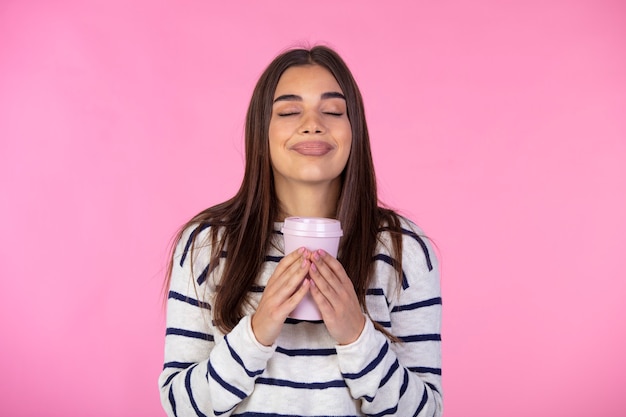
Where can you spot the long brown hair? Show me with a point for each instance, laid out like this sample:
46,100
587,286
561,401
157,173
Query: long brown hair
246,221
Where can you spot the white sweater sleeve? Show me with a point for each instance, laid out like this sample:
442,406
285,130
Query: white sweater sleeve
204,374
402,379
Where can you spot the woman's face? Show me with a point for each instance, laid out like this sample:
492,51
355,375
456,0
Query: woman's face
309,132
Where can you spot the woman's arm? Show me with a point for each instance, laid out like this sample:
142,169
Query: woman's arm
401,379
204,374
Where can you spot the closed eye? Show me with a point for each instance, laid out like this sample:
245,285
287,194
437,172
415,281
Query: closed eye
330,113
285,114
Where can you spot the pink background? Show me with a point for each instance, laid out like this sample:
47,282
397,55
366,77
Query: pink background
499,126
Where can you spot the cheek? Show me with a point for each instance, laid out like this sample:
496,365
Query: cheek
275,148
278,132
273,135
273,153
271,132
347,138
346,148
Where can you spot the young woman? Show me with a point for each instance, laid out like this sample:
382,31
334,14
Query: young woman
230,347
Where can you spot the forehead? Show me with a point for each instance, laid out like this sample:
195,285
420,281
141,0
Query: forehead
311,79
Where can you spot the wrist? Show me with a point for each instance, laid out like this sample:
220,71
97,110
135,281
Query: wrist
254,327
356,336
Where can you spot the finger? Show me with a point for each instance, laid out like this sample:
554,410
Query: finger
334,284
290,264
280,298
297,296
289,259
321,266
333,264
320,299
284,303
321,276
287,280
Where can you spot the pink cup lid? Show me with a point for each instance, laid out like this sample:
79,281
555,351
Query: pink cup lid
316,226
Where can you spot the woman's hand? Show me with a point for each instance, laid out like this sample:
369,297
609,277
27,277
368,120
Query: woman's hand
284,290
334,294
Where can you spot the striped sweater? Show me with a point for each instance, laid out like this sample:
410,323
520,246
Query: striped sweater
208,373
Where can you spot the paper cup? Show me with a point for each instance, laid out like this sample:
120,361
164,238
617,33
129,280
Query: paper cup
312,233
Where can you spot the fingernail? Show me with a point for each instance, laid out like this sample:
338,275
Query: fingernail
301,250
313,268
321,252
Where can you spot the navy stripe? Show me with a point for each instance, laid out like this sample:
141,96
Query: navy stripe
389,411
374,291
178,296
238,359
188,387
301,385
191,238
257,414
230,388
219,413
405,383
269,258
373,364
177,365
172,402
386,324
203,274
422,244
390,261
377,292
392,370
432,387
424,370
421,338
289,320
393,410
188,333
169,379
257,288
420,304
422,403
306,352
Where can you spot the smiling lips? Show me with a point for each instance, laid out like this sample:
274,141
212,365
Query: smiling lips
312,148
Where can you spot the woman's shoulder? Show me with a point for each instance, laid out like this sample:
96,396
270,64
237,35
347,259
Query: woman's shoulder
412,230
416,244
397,223
196,237
194,232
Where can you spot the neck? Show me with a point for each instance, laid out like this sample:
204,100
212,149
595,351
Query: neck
311,200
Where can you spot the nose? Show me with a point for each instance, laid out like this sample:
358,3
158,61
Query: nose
312,125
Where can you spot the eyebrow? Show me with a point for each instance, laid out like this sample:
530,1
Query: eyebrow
294,97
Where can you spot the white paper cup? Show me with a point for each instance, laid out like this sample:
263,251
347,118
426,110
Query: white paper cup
312,233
